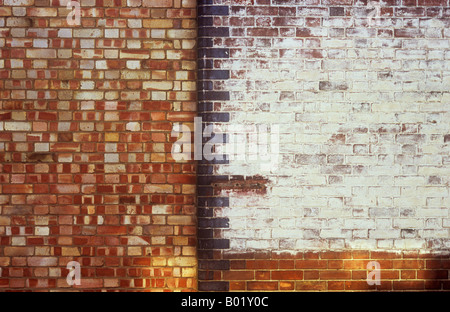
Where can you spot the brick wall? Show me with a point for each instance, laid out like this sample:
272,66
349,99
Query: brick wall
86,172
332,115
358,93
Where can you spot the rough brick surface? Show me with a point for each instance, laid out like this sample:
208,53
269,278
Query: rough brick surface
354,95
338,271
86,172
360,94
363,159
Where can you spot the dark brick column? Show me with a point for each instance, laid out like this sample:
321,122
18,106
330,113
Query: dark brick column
210,243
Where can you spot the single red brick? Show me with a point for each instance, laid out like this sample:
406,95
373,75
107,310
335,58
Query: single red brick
335,275
408,274
411,254
311,274
262,275
100,272
264,255
408,264
359,275
181,178
311,264
262,264
262,32
17,283
238,275
410,12
308,255
4,282
17,188
433,264
311,285
355,264
432,274
358,285
408,33
335,285
90,283
287,275
262,285
336,255
42,261
384,255
336,264
445,263
287,285
360,254
286,264
237,264
432,2
433,285
237,286
389,274
408,285
114,230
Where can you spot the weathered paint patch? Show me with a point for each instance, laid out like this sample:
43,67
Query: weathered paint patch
239,185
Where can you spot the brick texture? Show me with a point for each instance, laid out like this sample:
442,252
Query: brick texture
359,92
336,271
86,172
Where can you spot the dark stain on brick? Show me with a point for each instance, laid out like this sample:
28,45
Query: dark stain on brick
337,11
312,53
240,184
362,107
213,286
306,159
408,233
127,200
434,180
386,129
332,86
40,157
65,137
385,75
212,10
5,116
17,210
446,138
337,138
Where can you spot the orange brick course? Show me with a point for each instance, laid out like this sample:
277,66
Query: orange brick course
339,271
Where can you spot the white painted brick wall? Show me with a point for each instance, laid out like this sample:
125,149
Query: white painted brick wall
363,163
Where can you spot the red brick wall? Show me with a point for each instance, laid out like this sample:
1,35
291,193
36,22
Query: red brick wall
86,174
336,271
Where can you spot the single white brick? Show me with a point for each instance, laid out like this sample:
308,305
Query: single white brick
112,33
114,158
42,230
42,147
409,243
17,126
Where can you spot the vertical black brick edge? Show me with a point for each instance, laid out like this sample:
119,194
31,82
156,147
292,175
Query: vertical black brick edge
210,245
